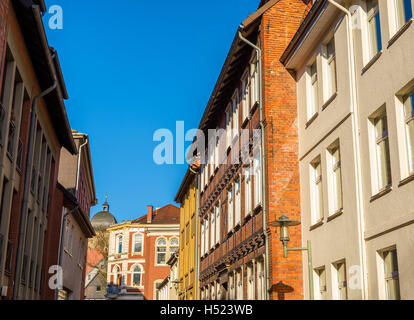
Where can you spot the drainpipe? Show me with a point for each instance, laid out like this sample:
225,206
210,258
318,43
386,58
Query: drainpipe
262,155
357,153
62,224
79,163
26,187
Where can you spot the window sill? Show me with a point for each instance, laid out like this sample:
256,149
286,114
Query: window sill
316,225
311,120
329,101
400,32
336,215
406,180
381,193
371,62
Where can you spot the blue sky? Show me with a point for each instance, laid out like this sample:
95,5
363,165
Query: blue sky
132,67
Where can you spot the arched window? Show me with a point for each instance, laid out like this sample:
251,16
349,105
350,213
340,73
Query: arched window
161,251
138,243
174,246
137,276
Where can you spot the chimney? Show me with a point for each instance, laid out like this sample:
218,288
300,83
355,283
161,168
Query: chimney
150,211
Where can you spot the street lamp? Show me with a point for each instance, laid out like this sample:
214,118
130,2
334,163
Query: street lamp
284,223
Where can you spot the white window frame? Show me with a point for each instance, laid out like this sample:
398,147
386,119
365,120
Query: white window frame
335,178
213,230
330,74
373,19
248,190
313,101
408,106
135,241
238,204
218,222
230,209
316,179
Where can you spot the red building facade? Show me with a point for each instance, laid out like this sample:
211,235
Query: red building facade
139,251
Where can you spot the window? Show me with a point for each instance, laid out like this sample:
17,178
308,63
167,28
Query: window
230,210
161,251
341,281
229,125
257,170
261,288
254,82
392,282
248,190
137,276
336,178
231,287
403,12
236,108
250,282
331,64
239,280
218,222
174,246
213,229
202,239
314,96
409,123
138,243
382,151
207,234
245,95
374,28
321,283
117,276
238,202
120,239
316,191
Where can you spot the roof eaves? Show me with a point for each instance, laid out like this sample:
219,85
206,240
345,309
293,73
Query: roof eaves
303,29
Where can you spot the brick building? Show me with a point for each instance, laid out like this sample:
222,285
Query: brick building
251,175
76,189
139,251
33,129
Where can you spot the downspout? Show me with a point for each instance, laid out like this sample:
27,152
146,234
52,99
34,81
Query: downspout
263,157
355,136
79,163
61,241
27,177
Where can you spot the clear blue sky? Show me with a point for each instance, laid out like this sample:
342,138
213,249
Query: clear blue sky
132,67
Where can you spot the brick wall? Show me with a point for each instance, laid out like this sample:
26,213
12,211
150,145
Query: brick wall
279,24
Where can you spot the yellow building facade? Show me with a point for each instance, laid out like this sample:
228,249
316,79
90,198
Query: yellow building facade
188,272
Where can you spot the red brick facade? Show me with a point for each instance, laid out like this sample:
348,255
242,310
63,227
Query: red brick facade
278,26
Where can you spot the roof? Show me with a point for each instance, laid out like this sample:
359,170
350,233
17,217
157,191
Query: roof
169,214
46,67
94,257
103,220
188,178
232,68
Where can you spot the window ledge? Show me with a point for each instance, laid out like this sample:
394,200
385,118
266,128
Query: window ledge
371,62
336,215
329,101
406,180
311,120
400,32
316,225
381,194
